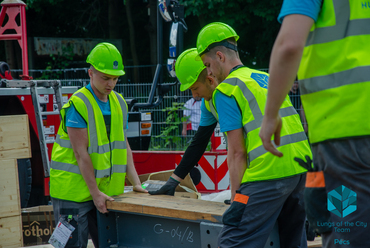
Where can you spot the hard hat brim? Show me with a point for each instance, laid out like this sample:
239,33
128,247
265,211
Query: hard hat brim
113,72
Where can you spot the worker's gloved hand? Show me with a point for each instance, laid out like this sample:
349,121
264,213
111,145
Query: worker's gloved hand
167,189
315,198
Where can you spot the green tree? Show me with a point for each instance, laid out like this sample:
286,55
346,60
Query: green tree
255,21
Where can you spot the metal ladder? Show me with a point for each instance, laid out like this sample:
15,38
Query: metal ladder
33,85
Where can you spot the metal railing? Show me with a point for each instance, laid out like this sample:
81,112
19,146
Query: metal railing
139,91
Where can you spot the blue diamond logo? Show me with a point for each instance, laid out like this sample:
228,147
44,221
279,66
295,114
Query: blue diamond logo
342,201
115,64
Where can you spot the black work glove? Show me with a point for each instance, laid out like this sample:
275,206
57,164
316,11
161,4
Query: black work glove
167,189
315,198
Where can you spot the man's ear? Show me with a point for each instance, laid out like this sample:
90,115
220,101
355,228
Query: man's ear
90,72
220,56
211,80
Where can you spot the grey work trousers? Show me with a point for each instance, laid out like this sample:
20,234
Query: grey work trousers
281,201
84,216
347,163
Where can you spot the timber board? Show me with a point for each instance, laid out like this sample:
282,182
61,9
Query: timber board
168,206
14,137
9,188
11,232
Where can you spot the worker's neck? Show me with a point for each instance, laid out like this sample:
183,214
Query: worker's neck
233,63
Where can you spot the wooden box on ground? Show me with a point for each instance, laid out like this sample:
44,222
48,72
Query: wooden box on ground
10,231
14,137
9,188
10,213
14,144
37,224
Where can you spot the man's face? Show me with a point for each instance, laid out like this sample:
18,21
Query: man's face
214,67
102,83
202,90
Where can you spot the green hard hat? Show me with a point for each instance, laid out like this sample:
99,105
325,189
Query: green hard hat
106,58
215,34
188,68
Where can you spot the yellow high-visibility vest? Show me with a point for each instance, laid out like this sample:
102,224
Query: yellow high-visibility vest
108,154
249,88
334,73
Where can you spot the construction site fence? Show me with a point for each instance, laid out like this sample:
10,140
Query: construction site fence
136,84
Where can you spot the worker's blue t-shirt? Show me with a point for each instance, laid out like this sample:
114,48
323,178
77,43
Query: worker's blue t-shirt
230,117
232,120
74,119
310,8
206,117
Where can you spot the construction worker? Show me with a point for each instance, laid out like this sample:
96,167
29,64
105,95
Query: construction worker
265,189
327,43
91,156
191,72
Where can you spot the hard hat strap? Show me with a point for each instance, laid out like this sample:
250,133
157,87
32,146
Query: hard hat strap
224,43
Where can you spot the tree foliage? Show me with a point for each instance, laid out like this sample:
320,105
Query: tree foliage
255,21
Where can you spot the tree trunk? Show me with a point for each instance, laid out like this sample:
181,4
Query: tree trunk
132,39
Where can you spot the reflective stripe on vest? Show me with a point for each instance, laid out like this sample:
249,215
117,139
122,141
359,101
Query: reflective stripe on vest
262,165
258,117
98,173
334,72
109,159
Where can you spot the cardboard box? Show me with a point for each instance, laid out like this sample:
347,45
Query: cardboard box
156,180
37,225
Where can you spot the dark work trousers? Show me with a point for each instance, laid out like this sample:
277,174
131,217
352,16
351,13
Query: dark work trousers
84,216
347,163
250,224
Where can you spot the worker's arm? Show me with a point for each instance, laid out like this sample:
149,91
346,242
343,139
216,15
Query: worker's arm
131,171
191,157
79,140
236,159
284,63
184,125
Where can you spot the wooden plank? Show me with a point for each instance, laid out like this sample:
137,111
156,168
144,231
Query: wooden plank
14,137
9,188
317,243
168,206
11,232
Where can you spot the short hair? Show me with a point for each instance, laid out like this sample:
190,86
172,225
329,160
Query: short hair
93,69
227,51
202,76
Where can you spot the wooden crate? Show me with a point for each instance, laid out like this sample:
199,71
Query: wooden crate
14,137
9,188
11,232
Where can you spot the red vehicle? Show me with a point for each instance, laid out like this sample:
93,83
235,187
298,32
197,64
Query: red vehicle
211,174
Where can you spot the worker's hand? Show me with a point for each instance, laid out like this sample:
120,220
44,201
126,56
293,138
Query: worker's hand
99,200
269,127
167,189
138,188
